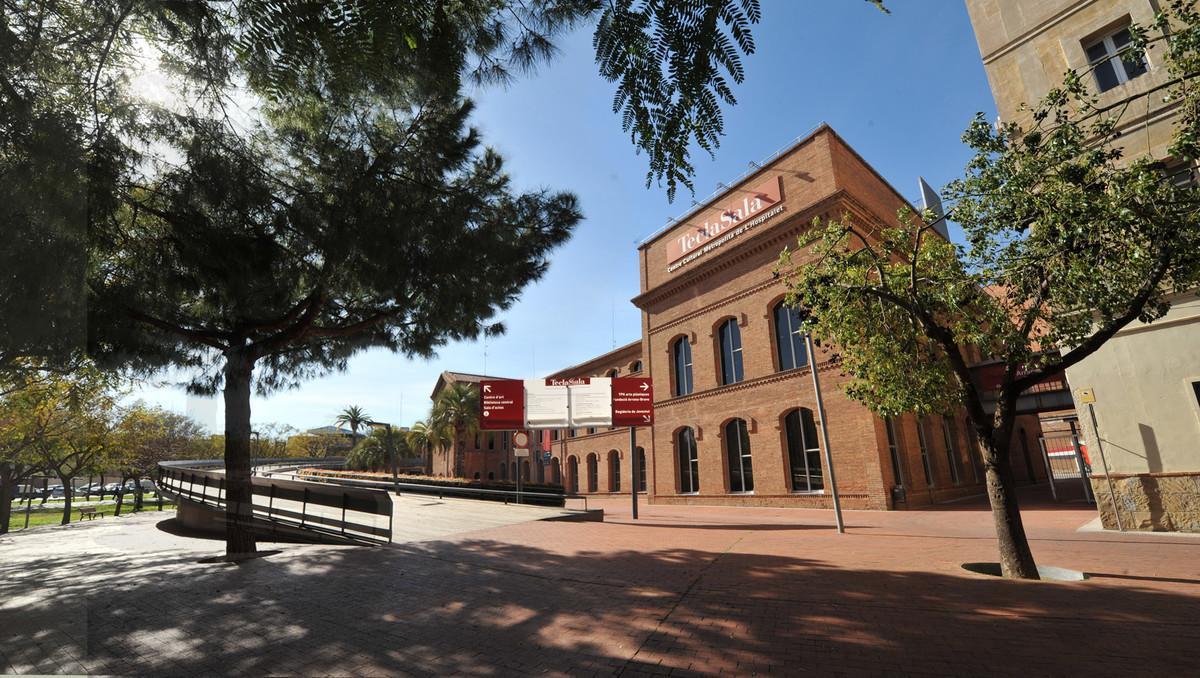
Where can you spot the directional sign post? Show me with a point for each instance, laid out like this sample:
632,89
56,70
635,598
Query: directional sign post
632,401
502,404
632,406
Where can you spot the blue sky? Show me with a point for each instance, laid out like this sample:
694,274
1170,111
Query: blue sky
900,88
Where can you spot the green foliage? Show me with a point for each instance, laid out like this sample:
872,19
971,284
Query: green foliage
144,436
354,417
1067,242
370,454
456,408
429,435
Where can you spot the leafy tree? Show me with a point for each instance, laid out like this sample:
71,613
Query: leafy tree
354,417
457,408
374,452
269,252
428,435
1067,243
73,418
145,436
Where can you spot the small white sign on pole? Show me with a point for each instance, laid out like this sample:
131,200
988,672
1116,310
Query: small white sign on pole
520,453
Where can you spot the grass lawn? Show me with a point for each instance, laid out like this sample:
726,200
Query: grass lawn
54,516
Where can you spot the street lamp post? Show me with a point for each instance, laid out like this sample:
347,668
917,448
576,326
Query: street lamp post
254,450
812,366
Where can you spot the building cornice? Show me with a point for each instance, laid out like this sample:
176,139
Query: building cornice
826,366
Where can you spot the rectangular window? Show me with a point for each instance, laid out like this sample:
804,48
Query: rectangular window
925,461
893,450
504,440
1111,63
491,438
1180,173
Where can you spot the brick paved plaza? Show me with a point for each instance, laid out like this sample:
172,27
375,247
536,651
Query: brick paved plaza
684,590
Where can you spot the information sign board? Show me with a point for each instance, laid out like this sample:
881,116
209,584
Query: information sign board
546,404
632,401
591,402
502,404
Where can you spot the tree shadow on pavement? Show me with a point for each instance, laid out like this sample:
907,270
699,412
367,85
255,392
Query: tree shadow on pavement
489,607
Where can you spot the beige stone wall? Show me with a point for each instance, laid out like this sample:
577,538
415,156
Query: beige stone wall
1027,46
1148,415
1160,502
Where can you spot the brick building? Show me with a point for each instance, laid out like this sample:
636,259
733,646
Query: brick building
735,410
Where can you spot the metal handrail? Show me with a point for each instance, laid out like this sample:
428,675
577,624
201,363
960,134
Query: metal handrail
441,490
179,478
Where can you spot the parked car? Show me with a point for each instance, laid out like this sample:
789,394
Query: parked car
112,487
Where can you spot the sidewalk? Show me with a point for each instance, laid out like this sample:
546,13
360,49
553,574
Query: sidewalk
685,589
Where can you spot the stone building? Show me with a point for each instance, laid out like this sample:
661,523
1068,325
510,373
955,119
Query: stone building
1146,380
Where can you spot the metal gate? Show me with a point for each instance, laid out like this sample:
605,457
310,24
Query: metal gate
1067,461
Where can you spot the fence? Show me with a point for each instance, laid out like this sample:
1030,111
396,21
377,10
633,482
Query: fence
1066,461
353,514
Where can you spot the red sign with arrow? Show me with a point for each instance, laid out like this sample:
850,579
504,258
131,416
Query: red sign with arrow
632,401
502,402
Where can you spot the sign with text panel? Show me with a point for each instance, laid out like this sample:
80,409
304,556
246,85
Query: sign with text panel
502,404
591,402
632,401
546,404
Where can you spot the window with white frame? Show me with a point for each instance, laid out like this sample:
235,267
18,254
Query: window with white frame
1111,61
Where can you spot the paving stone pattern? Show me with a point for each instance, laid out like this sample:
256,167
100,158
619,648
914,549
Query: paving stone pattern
685,590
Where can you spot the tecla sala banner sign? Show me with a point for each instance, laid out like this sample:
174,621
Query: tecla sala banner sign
721,224
579,402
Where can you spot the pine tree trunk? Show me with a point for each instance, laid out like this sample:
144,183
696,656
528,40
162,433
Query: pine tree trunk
8,492
239,515
1016,558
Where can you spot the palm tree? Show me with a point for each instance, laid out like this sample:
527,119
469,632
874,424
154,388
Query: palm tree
457,407
427,436
354,417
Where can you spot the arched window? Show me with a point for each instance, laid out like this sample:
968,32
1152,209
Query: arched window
641,462
681,359
490,476
573,475
926,461
503,472
804,451
541,470
612,374
614,471
951,451
556,471
636,366
593,472
737,454
525,471
689,461
789,339
514,471
893,450
729,339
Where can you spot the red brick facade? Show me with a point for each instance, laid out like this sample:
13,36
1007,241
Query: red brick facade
706,282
